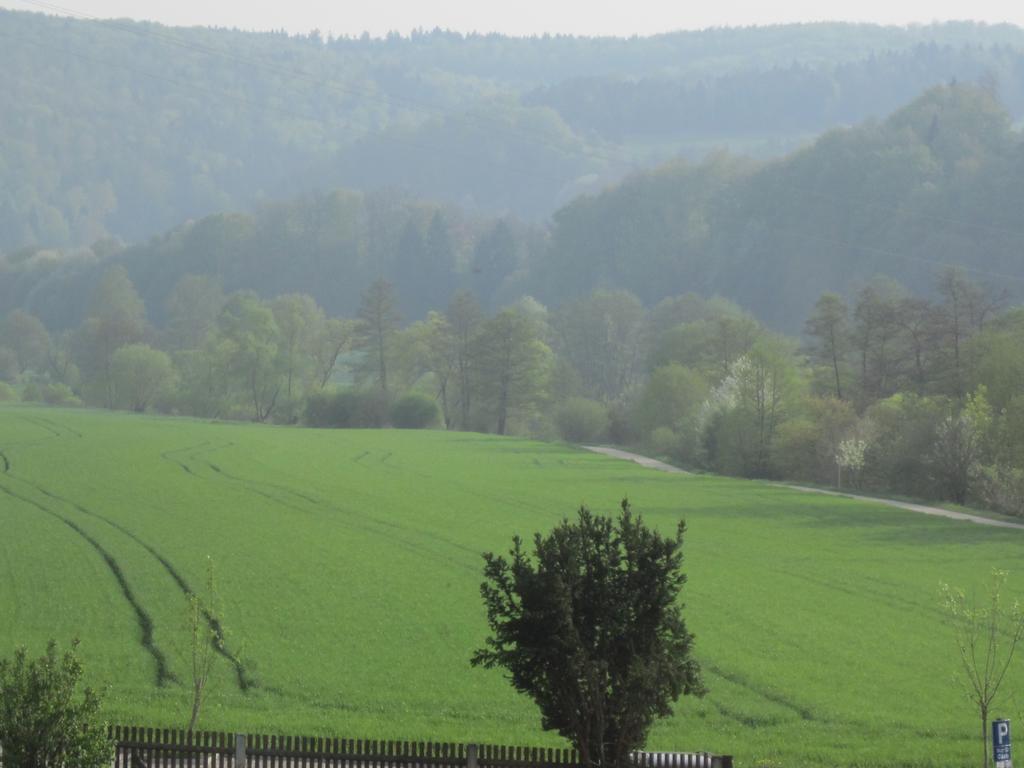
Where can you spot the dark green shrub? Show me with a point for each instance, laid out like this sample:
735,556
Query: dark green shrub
8,365
414,411
1001,487
591,628
621,425
580,420
43,723
41,391
346,409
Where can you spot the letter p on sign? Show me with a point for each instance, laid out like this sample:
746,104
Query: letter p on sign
1001,743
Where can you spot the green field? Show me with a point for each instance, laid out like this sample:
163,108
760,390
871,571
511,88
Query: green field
350,564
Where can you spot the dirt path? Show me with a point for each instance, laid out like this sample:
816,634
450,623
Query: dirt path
922,508
643,461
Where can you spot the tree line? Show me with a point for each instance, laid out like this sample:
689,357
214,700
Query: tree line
886,390
283,360
330,246
936,183
786,102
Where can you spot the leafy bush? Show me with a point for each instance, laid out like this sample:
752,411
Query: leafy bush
796,456
905,434
50,393
8,365
414,411
581,420
672,396
621,427
346,409
1001,487
41,723
664,442
7,392
141,375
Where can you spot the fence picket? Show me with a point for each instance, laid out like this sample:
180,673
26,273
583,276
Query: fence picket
136,746
172,739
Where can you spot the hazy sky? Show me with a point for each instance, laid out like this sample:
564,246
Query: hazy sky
621,17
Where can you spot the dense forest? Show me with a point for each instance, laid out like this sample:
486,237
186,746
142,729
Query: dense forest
121,130
939,182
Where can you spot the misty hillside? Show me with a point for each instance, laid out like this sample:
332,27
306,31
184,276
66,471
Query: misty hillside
330,246
123,129
938,182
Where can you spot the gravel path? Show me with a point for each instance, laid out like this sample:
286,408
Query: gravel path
643,461
922,508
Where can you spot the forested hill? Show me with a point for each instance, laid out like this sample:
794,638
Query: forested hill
126,129
939,182
330,246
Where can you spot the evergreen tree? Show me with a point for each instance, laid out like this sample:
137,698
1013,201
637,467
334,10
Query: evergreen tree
592,630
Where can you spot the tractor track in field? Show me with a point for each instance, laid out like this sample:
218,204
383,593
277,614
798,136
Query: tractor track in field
53,434
878,597
55,425
775,698
166,456
243,676
194,456
750,721
371,525
142,617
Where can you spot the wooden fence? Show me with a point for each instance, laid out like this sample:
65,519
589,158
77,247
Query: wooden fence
156,748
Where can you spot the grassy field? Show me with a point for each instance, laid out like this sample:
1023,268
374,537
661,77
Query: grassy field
350,564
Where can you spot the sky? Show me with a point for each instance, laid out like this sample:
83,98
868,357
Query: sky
524,17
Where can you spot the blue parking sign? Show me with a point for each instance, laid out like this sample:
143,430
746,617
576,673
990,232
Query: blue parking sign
1001,743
